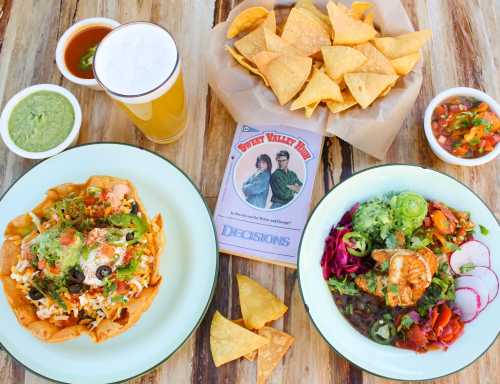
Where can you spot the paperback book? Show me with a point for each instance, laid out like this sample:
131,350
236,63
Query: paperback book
265,196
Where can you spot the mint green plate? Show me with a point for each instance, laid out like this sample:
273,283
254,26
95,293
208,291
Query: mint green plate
189,266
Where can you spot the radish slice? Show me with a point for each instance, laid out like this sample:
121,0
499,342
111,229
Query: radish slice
489,278
469,302
477,285
472,252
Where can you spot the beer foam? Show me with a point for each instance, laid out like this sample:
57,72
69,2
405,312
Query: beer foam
135,59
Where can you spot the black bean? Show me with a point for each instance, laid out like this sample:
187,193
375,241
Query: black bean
103,271
75,288
35,294
129,236
134,208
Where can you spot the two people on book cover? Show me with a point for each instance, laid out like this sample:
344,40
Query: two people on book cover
283,182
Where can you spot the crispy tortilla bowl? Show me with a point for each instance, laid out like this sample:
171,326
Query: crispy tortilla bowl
25,229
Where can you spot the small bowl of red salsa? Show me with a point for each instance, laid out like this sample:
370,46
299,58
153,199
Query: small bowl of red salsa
462,126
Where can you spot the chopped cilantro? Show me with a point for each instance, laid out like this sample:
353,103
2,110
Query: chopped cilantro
343,287
405,322
484,230
465,268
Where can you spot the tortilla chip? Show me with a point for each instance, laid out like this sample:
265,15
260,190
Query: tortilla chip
249,356
271,354
320,87
405,64
309,109
229,341
309,5
274,43
366,87
340,60
376,62
404,45
258,305
369,19
348,30
248,19
336,107
245,64
305,31
358,9
386,91
254,42
287,74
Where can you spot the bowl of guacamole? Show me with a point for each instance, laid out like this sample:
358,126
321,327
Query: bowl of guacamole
40,121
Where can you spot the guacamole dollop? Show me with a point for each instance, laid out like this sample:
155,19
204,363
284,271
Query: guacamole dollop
41,121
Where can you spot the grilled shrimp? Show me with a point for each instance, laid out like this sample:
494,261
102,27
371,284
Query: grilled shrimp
409,275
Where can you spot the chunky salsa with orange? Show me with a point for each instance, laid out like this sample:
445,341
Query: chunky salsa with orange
81,48
466,127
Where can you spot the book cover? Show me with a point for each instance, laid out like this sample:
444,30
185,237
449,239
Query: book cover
265,196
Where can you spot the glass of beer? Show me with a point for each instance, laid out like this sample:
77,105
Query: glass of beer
138,65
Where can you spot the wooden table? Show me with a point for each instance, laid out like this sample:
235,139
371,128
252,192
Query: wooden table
465,50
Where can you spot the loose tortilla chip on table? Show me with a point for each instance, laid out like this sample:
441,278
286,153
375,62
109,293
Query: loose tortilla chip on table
340,60
255,41
358,9
275,43
403,45
376,62
248,19
305,31
249,356
404,65
346,29
366,87
229,341
336,107
258,305
245,64
287,74
320,87
271,354
309,5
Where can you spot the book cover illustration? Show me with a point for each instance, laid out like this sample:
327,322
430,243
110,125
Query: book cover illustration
265,196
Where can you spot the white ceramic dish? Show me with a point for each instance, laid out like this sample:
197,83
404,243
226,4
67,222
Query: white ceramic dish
67,36
189,266
388,361
70,140
439,151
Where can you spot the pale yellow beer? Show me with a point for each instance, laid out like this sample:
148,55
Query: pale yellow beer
138,65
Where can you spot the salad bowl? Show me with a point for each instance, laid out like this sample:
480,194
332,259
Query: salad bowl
387,360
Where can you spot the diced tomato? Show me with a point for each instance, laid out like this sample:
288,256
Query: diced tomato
434,316
99,213
89,200
128,256
42,264
67,237
107,250
416,335
443,319
121,287
54,269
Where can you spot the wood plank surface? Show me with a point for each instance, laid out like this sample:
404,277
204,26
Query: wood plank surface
465,50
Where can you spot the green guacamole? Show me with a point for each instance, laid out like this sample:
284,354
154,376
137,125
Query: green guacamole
41,121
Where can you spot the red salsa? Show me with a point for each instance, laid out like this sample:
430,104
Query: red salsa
79,53
466,127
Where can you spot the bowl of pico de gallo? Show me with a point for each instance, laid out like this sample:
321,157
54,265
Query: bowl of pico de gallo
462,126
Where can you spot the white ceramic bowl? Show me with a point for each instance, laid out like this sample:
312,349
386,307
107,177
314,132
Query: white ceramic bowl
67,36
439,151
70,140
388,361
